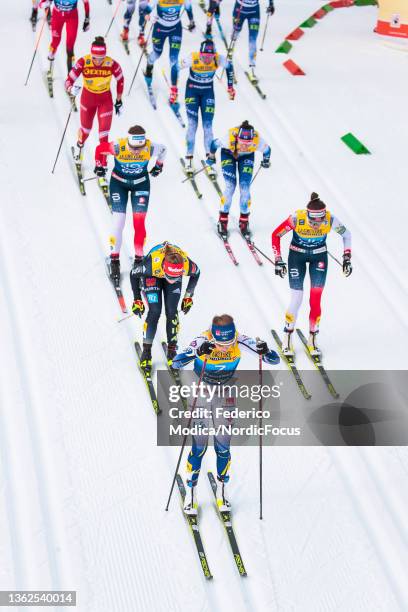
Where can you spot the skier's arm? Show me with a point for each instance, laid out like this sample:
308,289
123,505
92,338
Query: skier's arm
159,151
264,148
219,142
224,62
181,360
189,9
250,345
75,72
102,150
282,229
120,81
194,274
86,8
339,228
141,270
186,62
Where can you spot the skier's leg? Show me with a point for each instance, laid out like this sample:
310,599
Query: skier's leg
88,110
207,117
318,274
229,172
153,290
174,52
57,23
72,31
172,295
140,204
105,115
253,32
192,104
119,197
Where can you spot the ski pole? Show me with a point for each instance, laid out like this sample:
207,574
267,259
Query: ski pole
264,254
335,259
126,317
91,178
37,44
264,34
185,437
260,440
140,59
194,174
62,139
256,174
113,18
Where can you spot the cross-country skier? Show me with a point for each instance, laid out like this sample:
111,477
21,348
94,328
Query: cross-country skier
221,345
143,17
159,275
130,175
248,10
213,9
97,70
65,12
199,95
310,227
238,152
168,25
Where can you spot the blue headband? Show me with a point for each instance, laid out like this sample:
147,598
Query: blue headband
223,334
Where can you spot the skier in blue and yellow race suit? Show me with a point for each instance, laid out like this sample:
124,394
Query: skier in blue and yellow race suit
168,25
238,153
159,275
248,10
220,347
199,95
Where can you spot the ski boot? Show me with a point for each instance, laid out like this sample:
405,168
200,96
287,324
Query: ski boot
222,226
190,502
189,165
114,269
125,34
78,152
243,226
252,76
138,260
34,18
146,359
210,170
171,353
222,501
148,74
173,94
70,60
312,347
141,41
50,70
287,346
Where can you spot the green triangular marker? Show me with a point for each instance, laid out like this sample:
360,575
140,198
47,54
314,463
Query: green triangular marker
285,47
327,8
365,2
355,144
309,23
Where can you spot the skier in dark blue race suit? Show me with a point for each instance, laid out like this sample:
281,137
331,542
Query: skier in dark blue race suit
168,25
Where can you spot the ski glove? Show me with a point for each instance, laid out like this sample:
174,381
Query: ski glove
85,27
186,304
74,90
138,308
280,267
261,347
206,348
191,26
347,267
265,163
210,159
270,9
100,171
231,92
157,168
118,107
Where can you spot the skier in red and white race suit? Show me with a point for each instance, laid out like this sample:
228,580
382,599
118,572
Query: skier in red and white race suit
65,12
97,70
310,227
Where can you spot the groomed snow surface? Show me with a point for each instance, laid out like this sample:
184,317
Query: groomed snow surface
82,484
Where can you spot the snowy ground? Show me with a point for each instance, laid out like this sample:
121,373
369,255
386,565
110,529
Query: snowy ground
83,485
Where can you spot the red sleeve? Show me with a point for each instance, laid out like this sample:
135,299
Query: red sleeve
282,229
75,73
102,150
86,7
118,74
